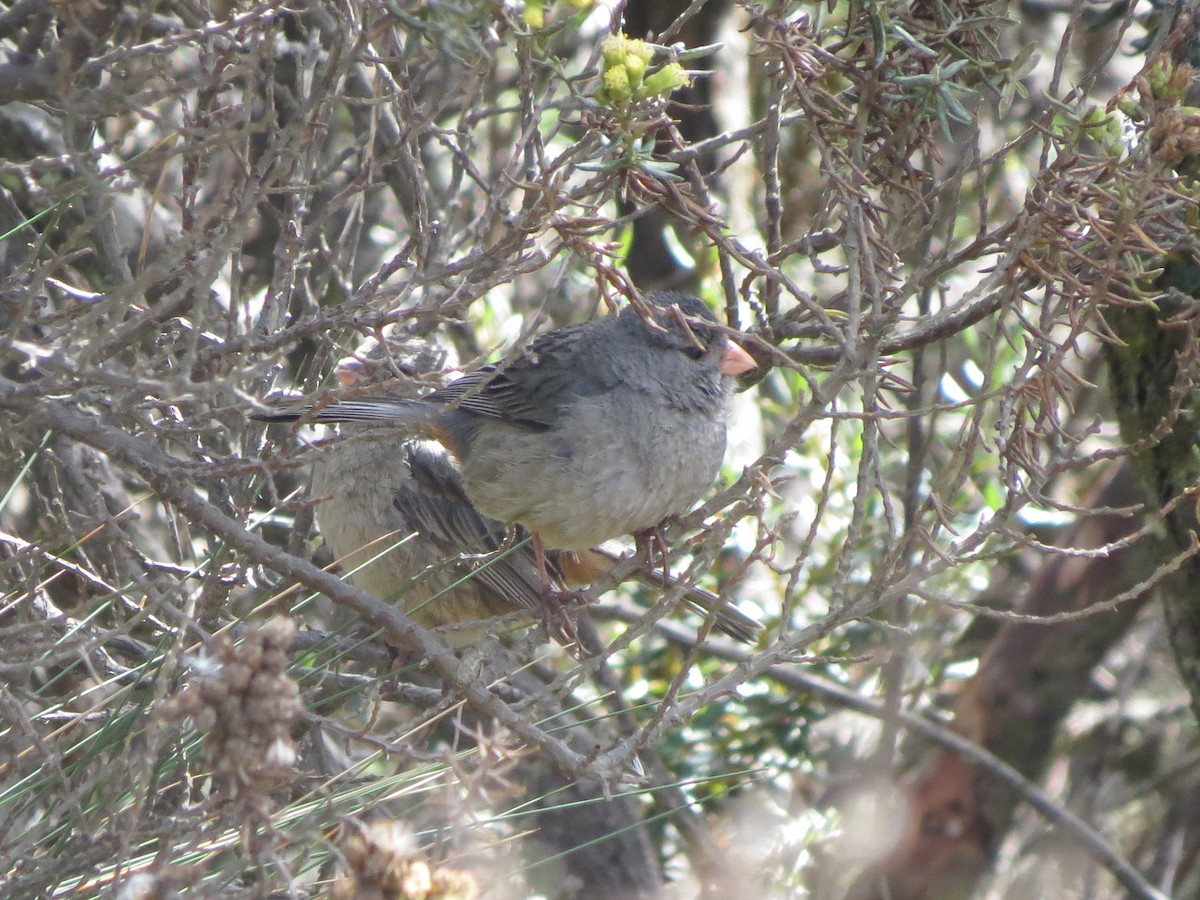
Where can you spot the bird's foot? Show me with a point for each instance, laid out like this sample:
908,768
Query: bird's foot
559,613
651,544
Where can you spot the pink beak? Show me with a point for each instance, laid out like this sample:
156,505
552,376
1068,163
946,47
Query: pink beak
735,361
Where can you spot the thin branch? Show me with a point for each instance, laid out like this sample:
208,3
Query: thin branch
159,471
1051,810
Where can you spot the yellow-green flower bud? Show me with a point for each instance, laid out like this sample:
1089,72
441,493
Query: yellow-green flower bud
667,79
641,50
616,84
636,67
1095,117
1159,75
1130,108
535,13
613,49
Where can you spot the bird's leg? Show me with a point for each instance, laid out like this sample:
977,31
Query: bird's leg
539,553
652,542
558,616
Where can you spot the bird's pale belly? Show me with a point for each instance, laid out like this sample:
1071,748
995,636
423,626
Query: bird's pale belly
578,500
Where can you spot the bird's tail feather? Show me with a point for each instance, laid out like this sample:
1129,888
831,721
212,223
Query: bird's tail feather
365,409
729,619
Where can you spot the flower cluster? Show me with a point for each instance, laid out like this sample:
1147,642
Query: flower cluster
625,78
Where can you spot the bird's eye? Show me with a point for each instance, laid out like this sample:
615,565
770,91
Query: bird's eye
693,351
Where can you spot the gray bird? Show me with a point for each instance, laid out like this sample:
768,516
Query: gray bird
593,431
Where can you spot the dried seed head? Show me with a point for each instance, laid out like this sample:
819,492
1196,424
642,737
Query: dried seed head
246,704
383,861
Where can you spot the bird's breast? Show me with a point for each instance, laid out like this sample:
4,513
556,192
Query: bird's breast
609,469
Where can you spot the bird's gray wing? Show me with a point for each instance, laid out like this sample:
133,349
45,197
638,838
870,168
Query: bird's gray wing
436,506
534,387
